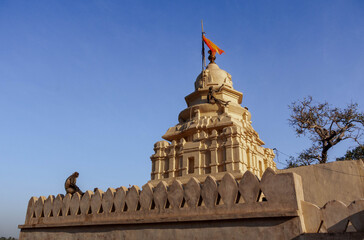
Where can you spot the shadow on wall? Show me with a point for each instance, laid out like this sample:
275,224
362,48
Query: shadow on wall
341,180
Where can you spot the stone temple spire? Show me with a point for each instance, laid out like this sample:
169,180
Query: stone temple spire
214,135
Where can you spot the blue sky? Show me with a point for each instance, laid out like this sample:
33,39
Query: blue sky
92,85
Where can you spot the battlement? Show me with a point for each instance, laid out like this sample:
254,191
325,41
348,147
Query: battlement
174,202
334,217
272,206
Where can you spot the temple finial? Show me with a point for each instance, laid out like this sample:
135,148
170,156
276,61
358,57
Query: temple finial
212,56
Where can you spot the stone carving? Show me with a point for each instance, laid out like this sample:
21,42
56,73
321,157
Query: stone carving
70,184
214,135
209,151
212,99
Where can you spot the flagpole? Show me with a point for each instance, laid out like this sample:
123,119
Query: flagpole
203,49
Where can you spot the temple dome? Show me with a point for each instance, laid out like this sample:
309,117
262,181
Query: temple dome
213,76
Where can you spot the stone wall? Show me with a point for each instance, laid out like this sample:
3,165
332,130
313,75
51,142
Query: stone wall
262,229
271,208
226,208
341,180
334,217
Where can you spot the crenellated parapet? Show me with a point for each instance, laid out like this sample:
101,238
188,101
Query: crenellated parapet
276,200
246,198
334,217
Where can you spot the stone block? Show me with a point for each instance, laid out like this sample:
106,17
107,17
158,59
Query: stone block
356,214
228,190
209,192
30,209
85,203
120,199
48,205
96,201
132,198
66,204
57,205
108,200
268,173
281,188
192,192
75,204
335,216
38,208
160,195
175,194
312,217
249,187
146,196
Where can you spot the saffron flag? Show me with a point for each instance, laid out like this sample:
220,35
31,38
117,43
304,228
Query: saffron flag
212,46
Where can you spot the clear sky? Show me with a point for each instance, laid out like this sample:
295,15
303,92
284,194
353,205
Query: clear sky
90,86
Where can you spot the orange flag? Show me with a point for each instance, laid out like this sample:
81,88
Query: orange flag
212,46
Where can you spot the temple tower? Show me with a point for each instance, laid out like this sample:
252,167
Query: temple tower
214,135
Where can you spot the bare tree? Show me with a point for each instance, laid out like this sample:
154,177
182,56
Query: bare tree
326,127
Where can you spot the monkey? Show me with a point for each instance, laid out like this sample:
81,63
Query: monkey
212,99
70,184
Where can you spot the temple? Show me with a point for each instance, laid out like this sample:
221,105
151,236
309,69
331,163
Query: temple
212,137
211,179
